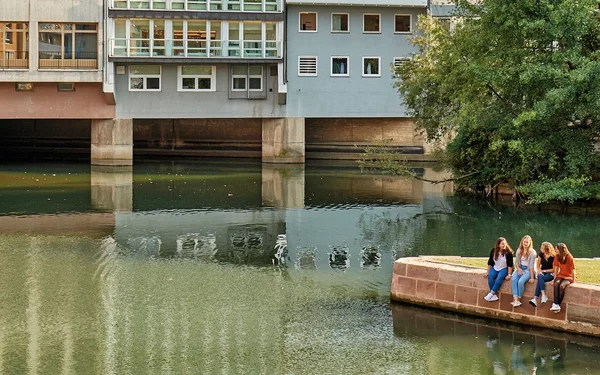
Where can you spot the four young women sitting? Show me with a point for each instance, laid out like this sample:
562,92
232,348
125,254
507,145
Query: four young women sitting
528,266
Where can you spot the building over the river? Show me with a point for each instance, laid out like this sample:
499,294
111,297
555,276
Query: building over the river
243,78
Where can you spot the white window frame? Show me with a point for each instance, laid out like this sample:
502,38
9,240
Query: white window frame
316,66
300,22
212,76
409,24
340,31
347,74
371,14
145,77
245,77
262,72
362,67
399,58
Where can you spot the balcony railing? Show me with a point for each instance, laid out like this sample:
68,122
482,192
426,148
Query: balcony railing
77,60
201,5
123,47
14,60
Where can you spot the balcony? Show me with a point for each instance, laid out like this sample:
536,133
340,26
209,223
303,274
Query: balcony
58,60
181,48
200,5
15,60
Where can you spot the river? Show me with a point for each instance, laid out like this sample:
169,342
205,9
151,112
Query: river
234,267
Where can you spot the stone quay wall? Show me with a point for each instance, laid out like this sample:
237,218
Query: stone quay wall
426,282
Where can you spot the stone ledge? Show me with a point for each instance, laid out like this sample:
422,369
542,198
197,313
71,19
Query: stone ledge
426,282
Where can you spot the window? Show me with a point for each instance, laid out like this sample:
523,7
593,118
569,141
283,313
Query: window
371,67
371,23
144,77
255,78
65,86
339,66
68,45
398,62
402,23
308,21
449,25
244,77
307,65
239,78
339,23
197,78
14,45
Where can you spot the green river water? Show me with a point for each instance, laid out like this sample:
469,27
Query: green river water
229,267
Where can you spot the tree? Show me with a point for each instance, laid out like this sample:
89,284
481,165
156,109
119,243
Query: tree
516,84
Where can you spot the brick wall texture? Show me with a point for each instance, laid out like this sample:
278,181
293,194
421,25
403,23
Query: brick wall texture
425,282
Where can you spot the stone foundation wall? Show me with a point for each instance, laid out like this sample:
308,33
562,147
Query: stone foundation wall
425,282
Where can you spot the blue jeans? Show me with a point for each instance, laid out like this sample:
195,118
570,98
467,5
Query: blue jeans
518,281
495,278
542,279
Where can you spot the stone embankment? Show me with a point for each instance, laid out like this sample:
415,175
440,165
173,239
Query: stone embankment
423,281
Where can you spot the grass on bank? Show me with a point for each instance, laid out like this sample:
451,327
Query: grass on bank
588,270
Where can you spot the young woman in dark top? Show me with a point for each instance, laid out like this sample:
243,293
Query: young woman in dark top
545,272
499,267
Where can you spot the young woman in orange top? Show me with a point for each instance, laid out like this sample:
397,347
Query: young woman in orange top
564,271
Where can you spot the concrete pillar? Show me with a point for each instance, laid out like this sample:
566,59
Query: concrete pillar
112,142
283,186
112,188
283,140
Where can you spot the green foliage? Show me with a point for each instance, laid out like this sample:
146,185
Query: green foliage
516,86
568,189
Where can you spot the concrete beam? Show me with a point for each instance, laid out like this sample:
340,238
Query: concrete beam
112,142
283,140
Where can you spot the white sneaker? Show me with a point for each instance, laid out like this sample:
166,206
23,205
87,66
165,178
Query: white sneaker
493,298
488,296
516,303
544,298
533,302
555,308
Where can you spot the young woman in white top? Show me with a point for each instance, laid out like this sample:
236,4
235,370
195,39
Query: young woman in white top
524,269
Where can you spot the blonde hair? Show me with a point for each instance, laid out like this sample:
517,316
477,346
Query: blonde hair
527,251
549,249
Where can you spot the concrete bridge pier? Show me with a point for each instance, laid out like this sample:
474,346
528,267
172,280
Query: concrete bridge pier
283,185
283,140
112,188
112,142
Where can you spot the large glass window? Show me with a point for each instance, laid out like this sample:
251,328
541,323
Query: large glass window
308,21
14,45
340,23
68,45
402,23
197,78
247,77
372,23
144,77
339,66
371,67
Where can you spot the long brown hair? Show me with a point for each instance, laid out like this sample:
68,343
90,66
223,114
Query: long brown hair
550,249
562,252
525,252
497,249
